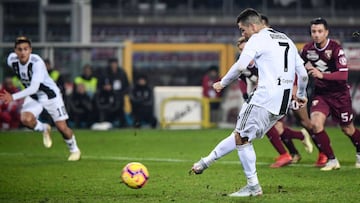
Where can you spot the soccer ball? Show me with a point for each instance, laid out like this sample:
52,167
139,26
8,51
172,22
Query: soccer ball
134,175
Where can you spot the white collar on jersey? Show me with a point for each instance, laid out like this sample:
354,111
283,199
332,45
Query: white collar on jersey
327,43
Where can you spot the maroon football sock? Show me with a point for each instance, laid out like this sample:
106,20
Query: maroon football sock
355,138
287,137
323,140
313,137
274,138
292,134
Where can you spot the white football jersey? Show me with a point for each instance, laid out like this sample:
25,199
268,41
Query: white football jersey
277,60
35,78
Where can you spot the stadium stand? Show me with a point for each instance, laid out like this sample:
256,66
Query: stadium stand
179,21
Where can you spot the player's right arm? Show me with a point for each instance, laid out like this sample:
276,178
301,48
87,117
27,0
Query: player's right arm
236,69
302,80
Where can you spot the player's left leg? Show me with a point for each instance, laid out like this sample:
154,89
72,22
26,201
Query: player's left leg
354,135
247,158
274,137
302,135
57,111
253,122
303,116
321,108
318,119
342,113
69,139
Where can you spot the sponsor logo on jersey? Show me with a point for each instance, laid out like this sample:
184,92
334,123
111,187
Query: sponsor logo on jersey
342,60
281,81
287,81
312,55
341,52
328,54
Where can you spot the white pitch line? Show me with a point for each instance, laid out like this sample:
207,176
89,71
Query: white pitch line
116,158
171,160
151,159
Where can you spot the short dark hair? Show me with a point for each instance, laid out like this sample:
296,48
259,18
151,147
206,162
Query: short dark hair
265,19
319,21
22,39
248,16
47,61
112,60
213,68
141,76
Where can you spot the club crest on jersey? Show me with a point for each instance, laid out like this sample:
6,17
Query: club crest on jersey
328,54
315,102
312,55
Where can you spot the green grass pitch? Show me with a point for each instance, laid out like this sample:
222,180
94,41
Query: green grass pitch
31,173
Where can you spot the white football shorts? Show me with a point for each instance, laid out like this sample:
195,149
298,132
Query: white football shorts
55,107
254,121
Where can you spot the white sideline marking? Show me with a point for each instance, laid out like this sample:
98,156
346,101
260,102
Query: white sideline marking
152,159
172,160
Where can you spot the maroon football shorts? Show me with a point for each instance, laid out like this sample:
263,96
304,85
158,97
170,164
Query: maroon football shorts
338,106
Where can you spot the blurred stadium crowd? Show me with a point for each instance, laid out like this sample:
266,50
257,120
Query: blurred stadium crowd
175,21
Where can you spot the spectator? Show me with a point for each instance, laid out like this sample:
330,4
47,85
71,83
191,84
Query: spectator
80,107
230,108
114,84
88,80
142,102
59,80
17,83
208,80
56,76
106,103
9,113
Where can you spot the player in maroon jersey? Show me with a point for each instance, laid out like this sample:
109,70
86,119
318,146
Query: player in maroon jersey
326,62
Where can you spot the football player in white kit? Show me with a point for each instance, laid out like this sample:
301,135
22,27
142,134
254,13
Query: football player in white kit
40,93
277,60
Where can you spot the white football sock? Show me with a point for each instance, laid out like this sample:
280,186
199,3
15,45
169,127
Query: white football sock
224,147
39,126
71,143
247,158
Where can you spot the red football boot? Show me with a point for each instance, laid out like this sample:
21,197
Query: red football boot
322,160
282,160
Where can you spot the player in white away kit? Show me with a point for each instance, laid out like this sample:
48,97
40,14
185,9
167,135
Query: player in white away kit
277,60
40,92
